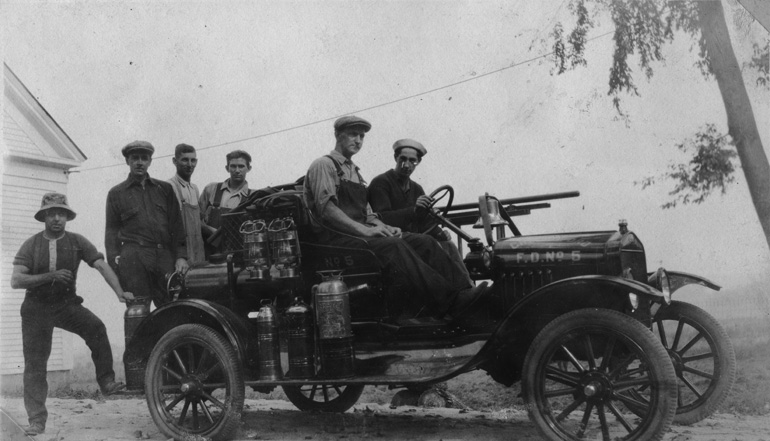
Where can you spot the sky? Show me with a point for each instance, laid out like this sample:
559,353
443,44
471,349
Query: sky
468,79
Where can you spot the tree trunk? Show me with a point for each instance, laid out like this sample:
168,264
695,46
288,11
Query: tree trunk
740,117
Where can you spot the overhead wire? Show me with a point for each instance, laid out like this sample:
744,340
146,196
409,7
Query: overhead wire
384,104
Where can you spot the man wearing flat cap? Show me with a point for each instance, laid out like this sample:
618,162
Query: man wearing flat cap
401,202
336,195
144,235
47,267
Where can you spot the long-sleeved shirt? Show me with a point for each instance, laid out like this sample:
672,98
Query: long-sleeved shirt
394,205
145,214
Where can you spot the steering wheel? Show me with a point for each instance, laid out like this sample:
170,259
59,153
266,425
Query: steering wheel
436,215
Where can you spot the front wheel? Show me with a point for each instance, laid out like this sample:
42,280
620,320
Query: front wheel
578,373
703,358
324,397
194,384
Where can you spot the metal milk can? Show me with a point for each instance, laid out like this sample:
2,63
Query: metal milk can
335,333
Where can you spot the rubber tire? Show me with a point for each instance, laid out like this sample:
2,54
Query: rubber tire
228,419
345,398
721,347
647,347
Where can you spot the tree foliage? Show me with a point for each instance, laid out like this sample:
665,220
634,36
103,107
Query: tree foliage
642,29
711,168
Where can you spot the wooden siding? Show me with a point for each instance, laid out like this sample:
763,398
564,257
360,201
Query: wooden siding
21,200
15,139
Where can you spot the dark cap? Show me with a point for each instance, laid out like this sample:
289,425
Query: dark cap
54,200
403,143
351,121
138,146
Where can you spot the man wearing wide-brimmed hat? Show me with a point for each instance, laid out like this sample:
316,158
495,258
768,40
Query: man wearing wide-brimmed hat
144,234
47,267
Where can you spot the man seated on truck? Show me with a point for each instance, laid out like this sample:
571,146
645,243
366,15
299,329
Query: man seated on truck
402,203
336,195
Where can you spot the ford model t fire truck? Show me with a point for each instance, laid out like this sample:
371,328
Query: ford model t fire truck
590,332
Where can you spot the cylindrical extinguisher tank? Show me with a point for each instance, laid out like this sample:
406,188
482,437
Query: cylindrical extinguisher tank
301,340
268,343
136,311
335,333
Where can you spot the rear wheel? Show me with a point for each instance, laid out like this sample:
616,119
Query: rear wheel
579,370
194,384
703,357
324,397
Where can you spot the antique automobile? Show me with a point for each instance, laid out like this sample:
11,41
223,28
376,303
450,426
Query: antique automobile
569,317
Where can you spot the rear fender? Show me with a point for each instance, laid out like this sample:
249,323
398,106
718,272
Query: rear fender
221,319
504,353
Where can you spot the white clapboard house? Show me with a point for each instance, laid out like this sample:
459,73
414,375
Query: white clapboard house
37,153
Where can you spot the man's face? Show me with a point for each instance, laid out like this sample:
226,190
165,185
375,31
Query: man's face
185,165
350,140
237,168
55,220
138,164
406,161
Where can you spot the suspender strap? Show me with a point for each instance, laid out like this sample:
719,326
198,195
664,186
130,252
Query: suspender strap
218,196
341,173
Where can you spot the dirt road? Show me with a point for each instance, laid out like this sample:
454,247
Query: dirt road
127,419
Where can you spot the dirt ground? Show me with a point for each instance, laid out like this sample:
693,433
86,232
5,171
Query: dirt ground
124,419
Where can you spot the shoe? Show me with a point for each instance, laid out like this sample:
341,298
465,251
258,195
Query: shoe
34,429
112,387
469,300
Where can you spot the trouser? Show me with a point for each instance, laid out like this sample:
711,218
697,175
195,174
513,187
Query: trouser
416,265
37,323
454,253
142,271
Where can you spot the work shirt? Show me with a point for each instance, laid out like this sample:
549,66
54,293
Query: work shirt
146,215
230,199
41,255
188,192
322,183
394,204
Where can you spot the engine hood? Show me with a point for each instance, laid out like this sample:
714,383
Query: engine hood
566,248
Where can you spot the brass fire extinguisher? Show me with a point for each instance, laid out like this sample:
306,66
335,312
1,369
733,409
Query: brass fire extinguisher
268,343
301,339
335,333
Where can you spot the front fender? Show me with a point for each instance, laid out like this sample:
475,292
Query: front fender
504,353
235,328
677,279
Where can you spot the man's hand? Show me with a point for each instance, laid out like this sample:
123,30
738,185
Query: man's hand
382,230
126,296
423,203
64,276
181,266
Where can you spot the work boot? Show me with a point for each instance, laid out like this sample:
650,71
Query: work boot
34,429
469,300
112,387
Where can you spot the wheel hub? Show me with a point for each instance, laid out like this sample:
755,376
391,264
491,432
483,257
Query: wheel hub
676,359
595,386
191,386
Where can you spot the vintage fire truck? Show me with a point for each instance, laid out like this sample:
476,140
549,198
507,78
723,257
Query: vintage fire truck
590,332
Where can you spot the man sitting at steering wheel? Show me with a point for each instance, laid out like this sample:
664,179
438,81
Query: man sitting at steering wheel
401,202
336,195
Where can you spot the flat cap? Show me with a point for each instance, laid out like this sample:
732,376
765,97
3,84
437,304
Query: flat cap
351,121
137,146
406,142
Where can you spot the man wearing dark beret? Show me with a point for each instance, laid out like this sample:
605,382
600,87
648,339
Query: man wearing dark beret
336,195
47,267
145,236
401,202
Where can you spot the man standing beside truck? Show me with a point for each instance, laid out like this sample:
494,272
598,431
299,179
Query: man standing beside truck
47,267
185,160
144,235
336,195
